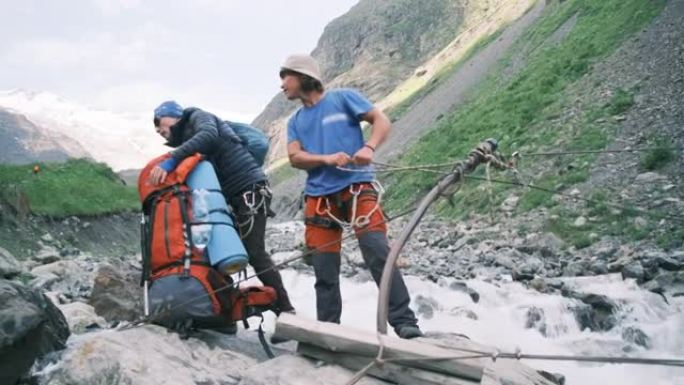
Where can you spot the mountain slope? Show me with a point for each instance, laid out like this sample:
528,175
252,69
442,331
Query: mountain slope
120,141
22,142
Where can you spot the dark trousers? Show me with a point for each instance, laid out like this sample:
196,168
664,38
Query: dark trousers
254,243
374,249
325,237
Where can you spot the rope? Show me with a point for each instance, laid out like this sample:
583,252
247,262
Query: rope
561,153
388,167
157,316
577,197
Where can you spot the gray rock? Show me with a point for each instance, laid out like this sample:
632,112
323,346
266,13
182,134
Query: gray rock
575,269
117,356
535,319
463,312
116,294
555,378
47,238
81,317
649,177
640,223
599,268
596,312
425,306
66,277
580,221
634,270
9,266
527,270
32,327
605,251
463,287
46,256
670,282
669,264
636,336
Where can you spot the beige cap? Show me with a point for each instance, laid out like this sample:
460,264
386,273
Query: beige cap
304,64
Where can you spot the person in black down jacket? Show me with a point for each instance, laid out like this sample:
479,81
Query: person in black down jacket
242,179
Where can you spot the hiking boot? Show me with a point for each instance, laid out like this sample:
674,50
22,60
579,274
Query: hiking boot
409,331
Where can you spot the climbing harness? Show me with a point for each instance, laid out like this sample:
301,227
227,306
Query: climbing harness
255,200
323,209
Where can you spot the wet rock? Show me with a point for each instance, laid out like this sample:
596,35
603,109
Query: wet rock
555,378
539,284
146,355
9,266
425,306
464,313
32,327
463,287
116,294
634,270
535,319
597,312
636,336
670,282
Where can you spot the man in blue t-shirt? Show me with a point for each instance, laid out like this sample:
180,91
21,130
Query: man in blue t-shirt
325,139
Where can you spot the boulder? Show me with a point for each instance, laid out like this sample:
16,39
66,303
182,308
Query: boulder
463,287
670,282
596,312
527,270
81,317
116,293
46,256
145,355
9,266
425,306
636,336
32,326
66,277
535,319
634,270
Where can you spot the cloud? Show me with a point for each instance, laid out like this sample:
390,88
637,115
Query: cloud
102,52
115,7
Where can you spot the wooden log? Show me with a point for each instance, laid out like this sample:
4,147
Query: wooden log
336,338
391,372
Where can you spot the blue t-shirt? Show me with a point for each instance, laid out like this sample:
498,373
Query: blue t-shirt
332,125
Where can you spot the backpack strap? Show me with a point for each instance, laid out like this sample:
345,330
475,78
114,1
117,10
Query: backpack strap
262,339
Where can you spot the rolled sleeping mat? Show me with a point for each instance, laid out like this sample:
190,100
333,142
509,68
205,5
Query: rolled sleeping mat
224,250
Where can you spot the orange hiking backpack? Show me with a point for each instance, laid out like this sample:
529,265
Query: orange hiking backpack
169,254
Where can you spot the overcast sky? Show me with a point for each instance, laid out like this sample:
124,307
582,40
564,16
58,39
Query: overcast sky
128,55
